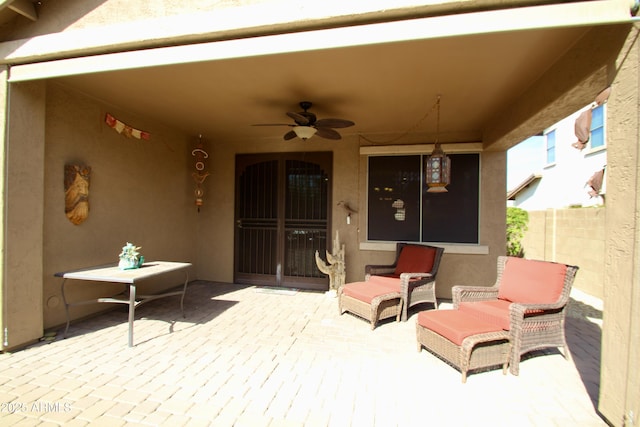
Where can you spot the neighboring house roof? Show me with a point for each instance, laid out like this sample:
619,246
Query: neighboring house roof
511,195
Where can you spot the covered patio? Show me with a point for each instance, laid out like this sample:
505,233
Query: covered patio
244,356
125,95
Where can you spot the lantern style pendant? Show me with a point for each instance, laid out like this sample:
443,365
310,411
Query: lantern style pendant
438,171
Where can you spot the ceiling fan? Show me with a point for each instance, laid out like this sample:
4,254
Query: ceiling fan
306,125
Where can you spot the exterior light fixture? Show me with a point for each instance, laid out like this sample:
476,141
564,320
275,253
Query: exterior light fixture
438,169
304,132
438,173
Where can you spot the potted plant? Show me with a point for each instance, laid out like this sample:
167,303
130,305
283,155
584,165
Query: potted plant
130,257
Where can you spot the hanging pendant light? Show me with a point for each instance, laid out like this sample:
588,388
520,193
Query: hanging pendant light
438,169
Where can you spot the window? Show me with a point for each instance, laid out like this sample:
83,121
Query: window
597,127
551,147
394,198
400,209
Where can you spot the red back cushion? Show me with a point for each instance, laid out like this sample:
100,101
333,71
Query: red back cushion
532,282
415,259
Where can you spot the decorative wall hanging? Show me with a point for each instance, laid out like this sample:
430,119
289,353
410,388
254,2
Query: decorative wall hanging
125,129
200,174
76,192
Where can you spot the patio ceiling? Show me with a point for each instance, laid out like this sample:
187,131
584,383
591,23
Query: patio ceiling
386,84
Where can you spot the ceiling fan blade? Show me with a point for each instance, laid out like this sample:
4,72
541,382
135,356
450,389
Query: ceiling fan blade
334,123
328,133
299,118
273,124
289,135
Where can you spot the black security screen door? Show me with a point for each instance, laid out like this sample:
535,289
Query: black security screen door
282,203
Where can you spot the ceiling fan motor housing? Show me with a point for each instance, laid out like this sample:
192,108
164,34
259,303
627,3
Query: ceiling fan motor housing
310,117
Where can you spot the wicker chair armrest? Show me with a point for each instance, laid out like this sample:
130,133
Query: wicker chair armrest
473,293
538,312
409,276
371,270
521,309
415,279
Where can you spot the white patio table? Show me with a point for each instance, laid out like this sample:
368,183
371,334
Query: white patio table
113,274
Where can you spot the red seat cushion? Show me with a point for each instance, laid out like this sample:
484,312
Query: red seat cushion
366,291
415,259
454,325
495,312
531,282
389,281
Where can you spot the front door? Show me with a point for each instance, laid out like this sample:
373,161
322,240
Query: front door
282,211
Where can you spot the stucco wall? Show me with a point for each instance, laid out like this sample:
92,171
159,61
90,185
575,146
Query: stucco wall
140,192
570,236
619,397
24,215
216,221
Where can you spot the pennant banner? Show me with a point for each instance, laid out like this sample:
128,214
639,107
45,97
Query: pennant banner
125,129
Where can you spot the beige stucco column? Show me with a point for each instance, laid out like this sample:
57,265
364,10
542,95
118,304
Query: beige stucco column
619,398
4,96
23,212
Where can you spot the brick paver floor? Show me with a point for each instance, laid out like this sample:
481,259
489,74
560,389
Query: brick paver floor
245,357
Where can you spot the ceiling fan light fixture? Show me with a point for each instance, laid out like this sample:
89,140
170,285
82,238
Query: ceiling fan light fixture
304,132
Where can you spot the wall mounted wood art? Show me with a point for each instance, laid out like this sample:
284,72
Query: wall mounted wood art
76,192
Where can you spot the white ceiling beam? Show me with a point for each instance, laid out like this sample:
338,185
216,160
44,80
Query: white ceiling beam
529,18
23,7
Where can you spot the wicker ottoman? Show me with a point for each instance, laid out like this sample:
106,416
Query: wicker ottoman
370,300
464,341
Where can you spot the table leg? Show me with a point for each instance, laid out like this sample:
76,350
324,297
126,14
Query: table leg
184,291
132,311
66,308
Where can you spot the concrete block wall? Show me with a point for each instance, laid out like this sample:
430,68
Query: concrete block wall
571,236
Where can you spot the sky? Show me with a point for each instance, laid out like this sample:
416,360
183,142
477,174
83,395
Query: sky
524,159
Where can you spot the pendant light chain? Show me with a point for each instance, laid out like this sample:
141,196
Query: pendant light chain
436,105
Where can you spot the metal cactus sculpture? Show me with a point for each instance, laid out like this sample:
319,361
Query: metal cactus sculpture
335,268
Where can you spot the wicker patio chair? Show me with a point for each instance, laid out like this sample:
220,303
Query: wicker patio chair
413,273
529,300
